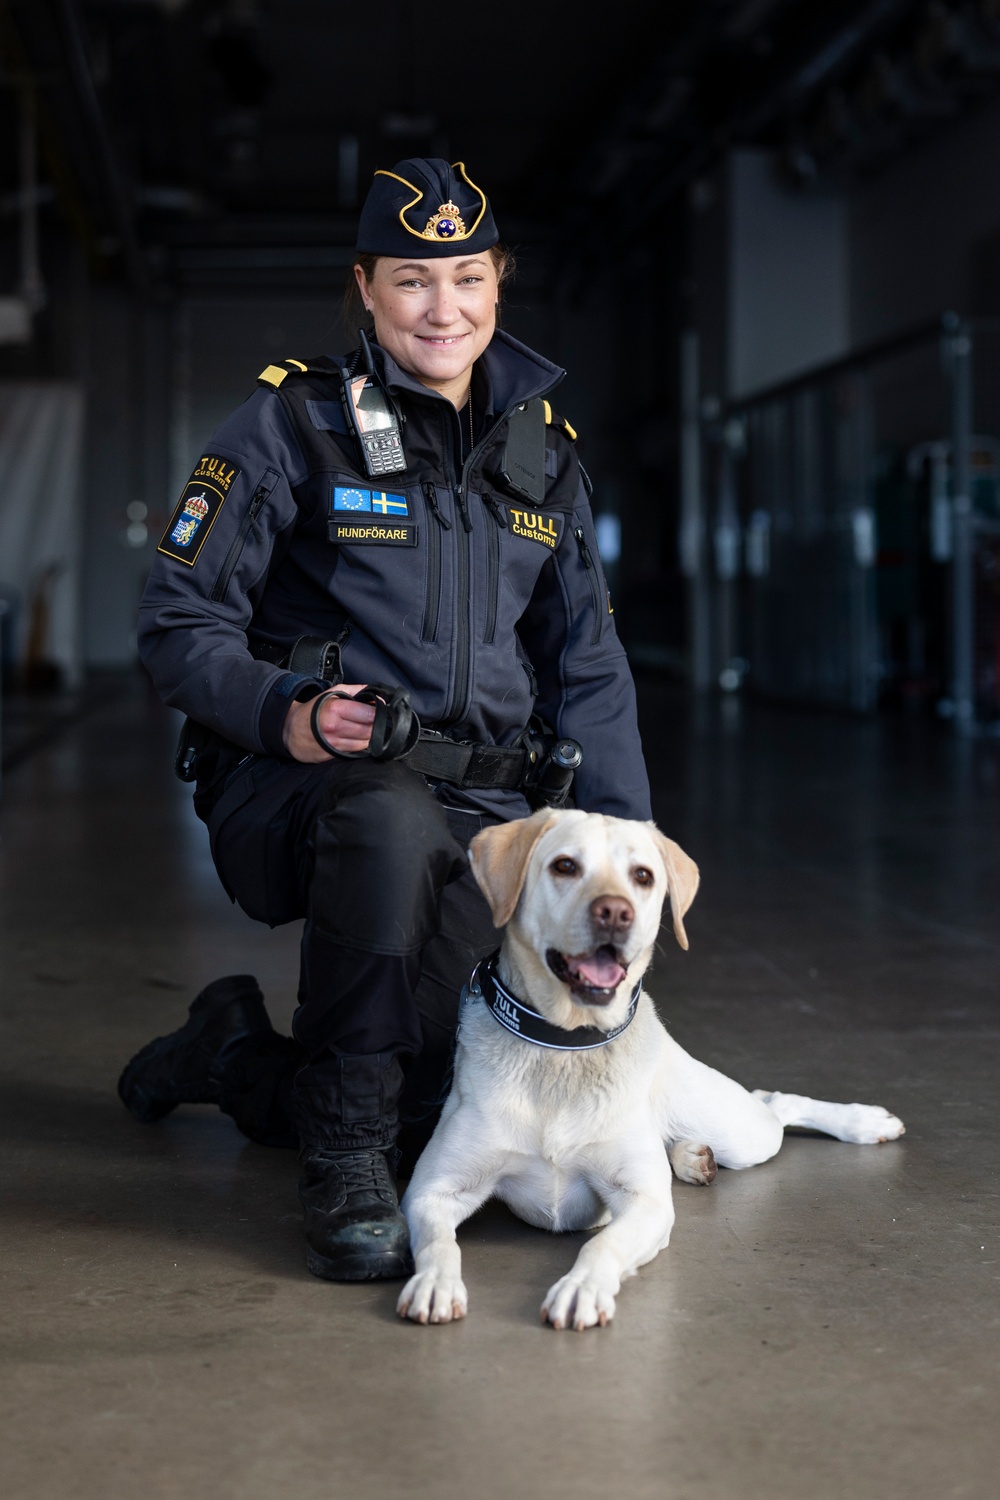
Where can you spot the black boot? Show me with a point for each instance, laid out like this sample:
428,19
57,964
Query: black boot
187,1066
346,1110
354,1229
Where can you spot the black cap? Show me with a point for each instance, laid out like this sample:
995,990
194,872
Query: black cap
423,202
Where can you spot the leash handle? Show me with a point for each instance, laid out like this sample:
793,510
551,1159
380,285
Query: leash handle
395,728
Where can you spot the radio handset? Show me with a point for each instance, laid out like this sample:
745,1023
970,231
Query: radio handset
372,418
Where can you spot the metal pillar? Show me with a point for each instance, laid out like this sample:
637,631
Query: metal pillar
726,537
963,562
691,540
863,652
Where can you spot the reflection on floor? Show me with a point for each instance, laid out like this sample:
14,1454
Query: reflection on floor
824,1325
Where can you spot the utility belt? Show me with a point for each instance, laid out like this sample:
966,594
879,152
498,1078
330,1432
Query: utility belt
542,764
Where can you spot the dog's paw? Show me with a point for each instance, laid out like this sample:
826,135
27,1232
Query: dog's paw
573,1303
868,1125
693,1162
433,1297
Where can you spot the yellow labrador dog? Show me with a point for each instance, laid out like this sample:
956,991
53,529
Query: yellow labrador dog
567,1087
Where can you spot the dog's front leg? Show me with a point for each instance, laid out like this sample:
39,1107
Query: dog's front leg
436,1293
642,1218
450,1181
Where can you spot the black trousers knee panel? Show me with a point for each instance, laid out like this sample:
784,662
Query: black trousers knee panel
377,866
382,854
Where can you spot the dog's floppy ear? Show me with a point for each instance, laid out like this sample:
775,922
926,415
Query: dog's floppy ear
499,857
682,880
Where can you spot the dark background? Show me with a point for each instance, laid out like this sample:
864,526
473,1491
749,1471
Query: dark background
785,184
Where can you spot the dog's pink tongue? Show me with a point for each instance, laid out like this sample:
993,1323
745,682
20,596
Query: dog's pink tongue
600,970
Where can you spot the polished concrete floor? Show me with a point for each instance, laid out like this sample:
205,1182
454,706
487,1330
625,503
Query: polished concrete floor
825,1326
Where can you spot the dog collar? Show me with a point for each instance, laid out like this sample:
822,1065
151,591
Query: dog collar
519,1018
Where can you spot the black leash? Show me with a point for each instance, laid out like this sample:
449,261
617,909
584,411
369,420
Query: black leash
520,1019
395,728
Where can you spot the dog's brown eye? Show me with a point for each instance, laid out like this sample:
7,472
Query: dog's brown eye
642,876
564,866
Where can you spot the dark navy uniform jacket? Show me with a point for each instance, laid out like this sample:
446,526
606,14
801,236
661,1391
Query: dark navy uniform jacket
485,608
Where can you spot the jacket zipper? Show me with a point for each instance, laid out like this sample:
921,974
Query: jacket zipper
458,707
493,566
239,541
595,586
432,602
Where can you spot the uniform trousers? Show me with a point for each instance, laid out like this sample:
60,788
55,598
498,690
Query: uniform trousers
394,925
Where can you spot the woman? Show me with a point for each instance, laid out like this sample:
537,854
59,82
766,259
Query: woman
462,576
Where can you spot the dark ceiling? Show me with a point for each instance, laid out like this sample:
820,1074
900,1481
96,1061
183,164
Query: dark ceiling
211,139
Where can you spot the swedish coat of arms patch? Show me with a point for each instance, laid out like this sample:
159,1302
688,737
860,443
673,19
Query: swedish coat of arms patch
196,511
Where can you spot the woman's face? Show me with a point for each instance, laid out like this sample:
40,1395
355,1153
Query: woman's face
435,317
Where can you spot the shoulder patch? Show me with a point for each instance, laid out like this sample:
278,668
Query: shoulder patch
273,375
319,364
198,508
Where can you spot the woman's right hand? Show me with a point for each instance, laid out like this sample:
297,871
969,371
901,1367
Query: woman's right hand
346,724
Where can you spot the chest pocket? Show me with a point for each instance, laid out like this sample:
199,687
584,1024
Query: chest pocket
518,542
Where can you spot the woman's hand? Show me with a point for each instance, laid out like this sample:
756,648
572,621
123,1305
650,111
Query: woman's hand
346,724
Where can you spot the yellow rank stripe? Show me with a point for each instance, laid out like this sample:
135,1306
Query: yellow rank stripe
550,418
273,375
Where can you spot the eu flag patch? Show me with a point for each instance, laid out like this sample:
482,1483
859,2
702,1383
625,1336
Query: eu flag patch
389,505
351,499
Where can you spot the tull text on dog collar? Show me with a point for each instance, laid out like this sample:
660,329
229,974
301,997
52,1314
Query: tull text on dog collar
520,1019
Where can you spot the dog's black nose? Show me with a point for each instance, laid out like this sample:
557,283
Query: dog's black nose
612,913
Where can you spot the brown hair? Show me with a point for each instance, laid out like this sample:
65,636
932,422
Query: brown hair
354,314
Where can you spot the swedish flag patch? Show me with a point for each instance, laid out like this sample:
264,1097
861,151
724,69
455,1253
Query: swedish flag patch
389,505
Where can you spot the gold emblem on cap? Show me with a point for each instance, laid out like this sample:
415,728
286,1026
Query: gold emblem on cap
447,212
446,224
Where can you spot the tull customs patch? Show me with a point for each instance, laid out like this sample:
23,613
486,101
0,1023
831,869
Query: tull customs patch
535,525
195,515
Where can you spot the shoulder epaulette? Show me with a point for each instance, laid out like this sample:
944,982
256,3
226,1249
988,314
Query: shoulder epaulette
273,375
553,419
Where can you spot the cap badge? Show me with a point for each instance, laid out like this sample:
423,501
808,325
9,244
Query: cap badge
446,224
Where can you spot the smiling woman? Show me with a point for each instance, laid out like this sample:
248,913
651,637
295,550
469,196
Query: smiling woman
434,318
411,515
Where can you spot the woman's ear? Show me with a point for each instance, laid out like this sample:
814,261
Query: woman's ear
363,285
